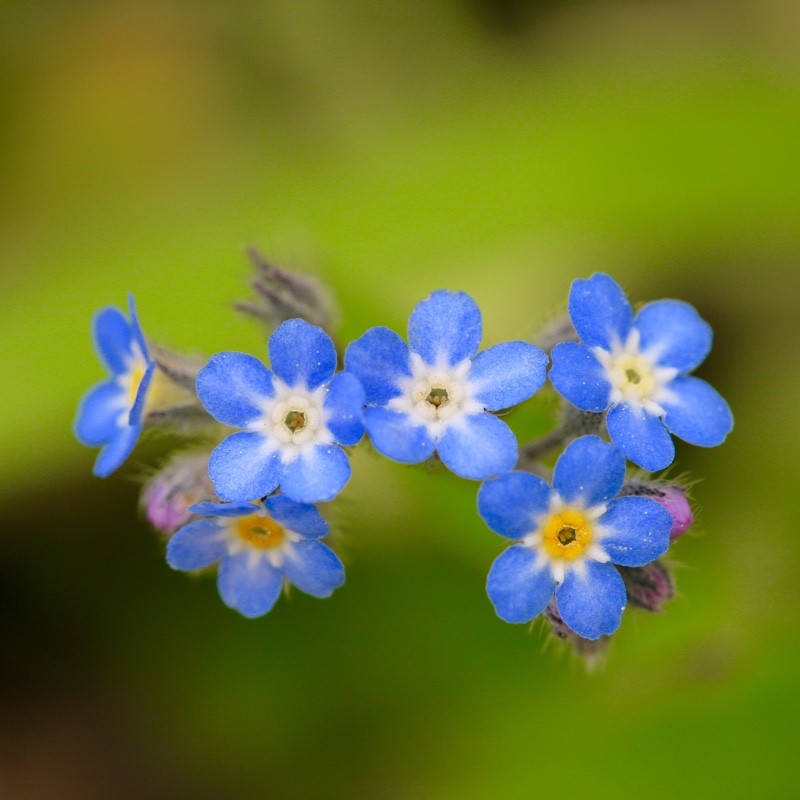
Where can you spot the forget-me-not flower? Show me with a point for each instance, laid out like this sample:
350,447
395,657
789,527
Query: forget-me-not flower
568,538
110,414
257,545
294,418
434,393
637,368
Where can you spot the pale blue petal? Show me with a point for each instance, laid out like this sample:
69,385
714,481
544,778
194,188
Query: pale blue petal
589,472
641,436
395,435
197,545
344,408
600,311
579,377
674,333
592,604
511,504
243,468
136,329
446,327
316,475
518,591
380,360
302,355
698,415
233,388
135,415
250,588
638,531
301,518
479,446
99,414
507,374
113,339
114,454
313,568
224,509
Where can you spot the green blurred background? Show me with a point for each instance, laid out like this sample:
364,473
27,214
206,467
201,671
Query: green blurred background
502,147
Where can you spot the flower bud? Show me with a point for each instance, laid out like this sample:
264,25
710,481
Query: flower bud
166,497
650,586
671,497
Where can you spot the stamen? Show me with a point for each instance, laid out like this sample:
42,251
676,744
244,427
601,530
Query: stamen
632,375
567,535
261,532
295,421
437,397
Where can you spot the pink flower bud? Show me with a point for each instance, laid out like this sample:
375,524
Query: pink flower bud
673,498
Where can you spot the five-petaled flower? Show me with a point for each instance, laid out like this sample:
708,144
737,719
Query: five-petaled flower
567,538
434,395
636,367
110,414
257,545
294,419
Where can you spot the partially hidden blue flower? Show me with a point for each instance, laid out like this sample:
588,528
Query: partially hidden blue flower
294,418
637,368
110,414
568,538
257,546
434,393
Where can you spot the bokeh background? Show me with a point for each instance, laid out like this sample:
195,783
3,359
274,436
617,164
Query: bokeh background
392,147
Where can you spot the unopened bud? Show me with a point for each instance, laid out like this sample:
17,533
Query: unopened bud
166,497
650,586
671,497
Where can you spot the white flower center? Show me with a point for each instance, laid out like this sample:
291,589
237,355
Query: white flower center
634,376
293,420
436,395
565,536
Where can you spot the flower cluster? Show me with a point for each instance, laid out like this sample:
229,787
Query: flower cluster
587,538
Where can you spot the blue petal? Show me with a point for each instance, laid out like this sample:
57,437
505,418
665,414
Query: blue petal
99,414
113,339
637,531
243,468
507,374
301,518
116,451
446,326
252,588
136,329
600,311
518,591
233,388
698,414
135,415
344,408
313,568
589,472
224,509
380,360
674,333
301,354
316,475
395,435
197,545
579,377
511,504
641,436
479,446
592,604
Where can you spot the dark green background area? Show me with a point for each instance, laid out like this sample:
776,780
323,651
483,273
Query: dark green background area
392,148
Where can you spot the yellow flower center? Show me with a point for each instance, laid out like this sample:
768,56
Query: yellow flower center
633,377
566,534
135,378
260,532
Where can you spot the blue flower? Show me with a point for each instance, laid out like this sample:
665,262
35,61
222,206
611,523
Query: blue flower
110,415
568,537
435,395
257,545
294,419
637,368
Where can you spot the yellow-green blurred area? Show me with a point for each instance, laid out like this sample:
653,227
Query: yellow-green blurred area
392,147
